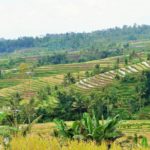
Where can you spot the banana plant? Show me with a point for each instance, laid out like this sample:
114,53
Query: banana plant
62,129
109,129
89,128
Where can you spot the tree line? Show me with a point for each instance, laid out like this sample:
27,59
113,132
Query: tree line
101,40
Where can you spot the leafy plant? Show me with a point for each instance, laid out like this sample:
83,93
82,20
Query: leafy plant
144,142
89,128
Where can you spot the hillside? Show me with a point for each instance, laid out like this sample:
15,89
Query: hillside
75,75
100,40
47,74
70,74
103,79
40,87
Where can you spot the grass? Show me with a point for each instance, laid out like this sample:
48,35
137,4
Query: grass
39,143
40,138
49,143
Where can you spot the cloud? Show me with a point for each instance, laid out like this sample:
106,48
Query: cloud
36,17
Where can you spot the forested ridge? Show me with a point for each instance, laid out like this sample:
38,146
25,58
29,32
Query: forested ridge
101,39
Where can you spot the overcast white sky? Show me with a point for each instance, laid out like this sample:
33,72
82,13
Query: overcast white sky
38,17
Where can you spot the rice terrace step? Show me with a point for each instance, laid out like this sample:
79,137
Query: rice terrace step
106,78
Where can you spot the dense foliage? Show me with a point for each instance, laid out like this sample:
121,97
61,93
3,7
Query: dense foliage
128,96
101,40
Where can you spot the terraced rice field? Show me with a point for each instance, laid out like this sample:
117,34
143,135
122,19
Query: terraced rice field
53,74
106,78
4,83
50,74
74,68
140,127
30,86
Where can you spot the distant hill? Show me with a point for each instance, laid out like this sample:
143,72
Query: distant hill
100,40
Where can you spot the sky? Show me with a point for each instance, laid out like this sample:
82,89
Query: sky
37,17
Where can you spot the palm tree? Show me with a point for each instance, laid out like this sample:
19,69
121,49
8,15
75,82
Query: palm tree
69,79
